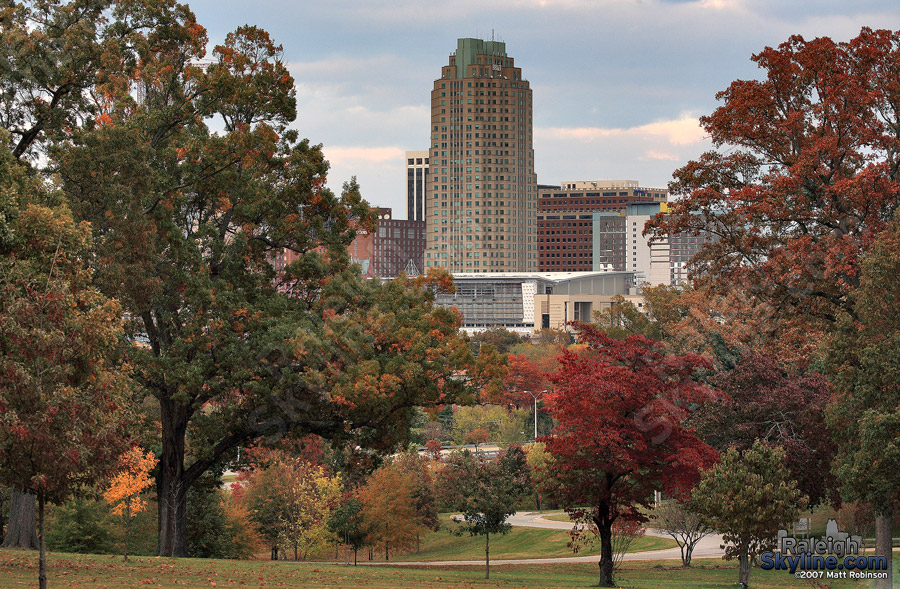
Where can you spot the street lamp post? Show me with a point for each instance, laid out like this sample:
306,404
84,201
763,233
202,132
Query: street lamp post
535,397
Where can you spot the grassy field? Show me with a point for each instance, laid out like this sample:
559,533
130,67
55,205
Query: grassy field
518,543
19,569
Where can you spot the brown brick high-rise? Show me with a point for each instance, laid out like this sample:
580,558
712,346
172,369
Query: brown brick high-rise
482,192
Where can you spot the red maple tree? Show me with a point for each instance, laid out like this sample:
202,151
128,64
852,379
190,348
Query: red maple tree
527,374
621,407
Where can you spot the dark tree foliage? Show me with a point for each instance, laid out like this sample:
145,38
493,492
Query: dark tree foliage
347,522
82,526
781,407
499,338
207,531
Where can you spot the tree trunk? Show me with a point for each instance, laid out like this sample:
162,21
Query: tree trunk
883,545
171,486
386,551
604,519
487,556
2,512
744,565
354,557
604,529
42,560
127,526
20,532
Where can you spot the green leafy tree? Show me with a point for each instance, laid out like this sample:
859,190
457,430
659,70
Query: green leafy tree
748,497
207,532
263,497
81,525
486,492
862,355
516,427
224,248
486,418
346,521
311,496
623,319
53,53
499,338
539,469
291,500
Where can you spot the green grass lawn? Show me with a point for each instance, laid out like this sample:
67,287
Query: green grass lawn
557,516
518,543
19,568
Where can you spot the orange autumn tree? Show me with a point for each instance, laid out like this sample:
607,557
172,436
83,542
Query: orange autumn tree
125,488
389,509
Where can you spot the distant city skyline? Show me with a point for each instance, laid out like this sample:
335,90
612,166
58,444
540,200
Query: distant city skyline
618,85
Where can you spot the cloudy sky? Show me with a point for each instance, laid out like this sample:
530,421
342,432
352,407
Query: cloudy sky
618,84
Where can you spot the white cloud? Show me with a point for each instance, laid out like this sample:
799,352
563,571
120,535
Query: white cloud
348,156
683,131
656,155
649,153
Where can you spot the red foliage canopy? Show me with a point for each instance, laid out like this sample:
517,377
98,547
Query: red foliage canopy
526,374
621,407
805,175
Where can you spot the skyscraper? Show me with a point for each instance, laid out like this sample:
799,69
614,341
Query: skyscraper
482,191
416,180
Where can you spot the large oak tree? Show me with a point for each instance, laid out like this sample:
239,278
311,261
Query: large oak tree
194,185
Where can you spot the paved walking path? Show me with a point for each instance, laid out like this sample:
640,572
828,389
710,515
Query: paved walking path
708,547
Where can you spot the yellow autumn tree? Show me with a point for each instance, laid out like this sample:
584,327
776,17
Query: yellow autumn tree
125,488
309,498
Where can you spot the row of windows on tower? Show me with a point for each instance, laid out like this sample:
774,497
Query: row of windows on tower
485,85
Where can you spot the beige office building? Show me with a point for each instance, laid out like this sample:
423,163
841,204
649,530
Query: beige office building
482,192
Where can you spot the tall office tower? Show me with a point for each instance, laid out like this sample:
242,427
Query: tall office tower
482,191
416,181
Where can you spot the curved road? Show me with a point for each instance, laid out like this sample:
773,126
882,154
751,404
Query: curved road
708,547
